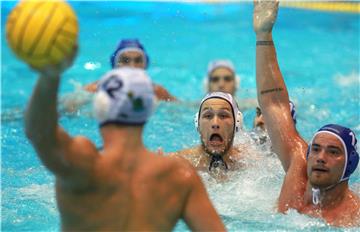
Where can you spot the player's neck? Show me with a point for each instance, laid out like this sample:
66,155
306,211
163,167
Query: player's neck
122,138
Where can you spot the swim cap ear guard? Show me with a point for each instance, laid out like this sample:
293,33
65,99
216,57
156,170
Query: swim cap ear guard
128,45
125,96
348,140
227,97
293,111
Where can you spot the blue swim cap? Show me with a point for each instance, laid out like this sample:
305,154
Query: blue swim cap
349,141
128,45
293,111
124,96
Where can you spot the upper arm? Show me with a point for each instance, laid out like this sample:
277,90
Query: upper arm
294,185
199,213
285,140
66,156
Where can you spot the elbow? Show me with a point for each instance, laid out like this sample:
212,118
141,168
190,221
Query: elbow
33,133
30,134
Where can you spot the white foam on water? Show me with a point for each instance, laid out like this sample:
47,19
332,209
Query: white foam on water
347,80
44,194
250,194
90,65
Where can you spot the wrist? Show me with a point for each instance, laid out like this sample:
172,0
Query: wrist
49,73
264,43
264,37
49,78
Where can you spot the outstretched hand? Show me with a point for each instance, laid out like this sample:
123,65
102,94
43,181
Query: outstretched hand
265,13
55,70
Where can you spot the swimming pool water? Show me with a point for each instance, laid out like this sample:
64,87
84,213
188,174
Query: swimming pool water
318,54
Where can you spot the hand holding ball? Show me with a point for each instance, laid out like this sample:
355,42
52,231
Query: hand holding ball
42,33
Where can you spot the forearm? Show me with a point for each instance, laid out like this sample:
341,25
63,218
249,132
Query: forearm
162,94
273,100
41,114
271,89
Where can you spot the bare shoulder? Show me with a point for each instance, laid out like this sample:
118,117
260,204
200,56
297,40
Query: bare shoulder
180,163
348,213
81,153
178,168
83,145
186,152
355,205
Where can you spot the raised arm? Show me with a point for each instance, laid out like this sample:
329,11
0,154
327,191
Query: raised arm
199,213
60,153
271,90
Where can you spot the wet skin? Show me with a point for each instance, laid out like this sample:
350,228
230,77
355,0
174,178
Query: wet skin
216,126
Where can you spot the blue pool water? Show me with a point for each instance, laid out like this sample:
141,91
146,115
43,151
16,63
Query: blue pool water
318,54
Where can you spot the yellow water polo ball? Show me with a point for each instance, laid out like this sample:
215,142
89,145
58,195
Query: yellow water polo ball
42,32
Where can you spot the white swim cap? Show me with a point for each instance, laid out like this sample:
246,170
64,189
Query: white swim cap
215,64
220,63
124,96
238,117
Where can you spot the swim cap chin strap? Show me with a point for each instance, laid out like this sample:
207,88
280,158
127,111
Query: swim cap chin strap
315,196
216,161
316,193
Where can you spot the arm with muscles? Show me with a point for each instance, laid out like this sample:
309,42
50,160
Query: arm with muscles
274,102
199,213
271,90
61,154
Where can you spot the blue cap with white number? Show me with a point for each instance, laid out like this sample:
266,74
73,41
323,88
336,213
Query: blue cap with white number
348,140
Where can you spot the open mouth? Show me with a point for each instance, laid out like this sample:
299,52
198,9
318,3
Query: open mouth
216,139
